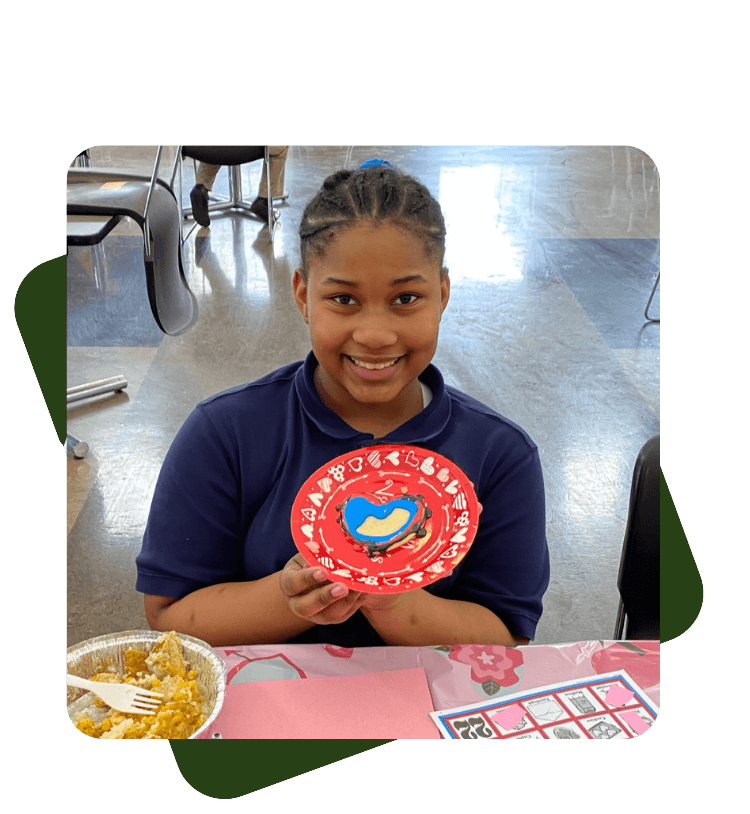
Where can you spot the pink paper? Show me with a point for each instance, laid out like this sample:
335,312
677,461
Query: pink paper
632,718
385,706
618,696
509,717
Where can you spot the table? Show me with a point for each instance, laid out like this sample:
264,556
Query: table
456,674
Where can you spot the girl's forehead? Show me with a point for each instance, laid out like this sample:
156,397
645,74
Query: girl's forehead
367,248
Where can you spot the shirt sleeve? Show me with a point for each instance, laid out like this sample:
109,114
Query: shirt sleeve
193,534
507,567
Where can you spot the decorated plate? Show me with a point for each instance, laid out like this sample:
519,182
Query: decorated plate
386,519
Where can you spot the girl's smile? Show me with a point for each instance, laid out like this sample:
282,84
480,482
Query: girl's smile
373,301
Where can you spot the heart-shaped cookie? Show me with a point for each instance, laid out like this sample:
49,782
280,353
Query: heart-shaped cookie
366,521
378,526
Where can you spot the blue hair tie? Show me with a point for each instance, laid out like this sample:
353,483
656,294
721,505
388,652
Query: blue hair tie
374,162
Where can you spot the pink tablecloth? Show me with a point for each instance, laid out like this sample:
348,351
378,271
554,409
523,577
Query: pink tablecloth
456,674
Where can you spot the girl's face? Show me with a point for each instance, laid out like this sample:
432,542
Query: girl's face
373,302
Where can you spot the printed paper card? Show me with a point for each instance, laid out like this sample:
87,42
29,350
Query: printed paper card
601,707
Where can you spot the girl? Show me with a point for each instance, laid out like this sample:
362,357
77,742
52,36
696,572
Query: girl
218,560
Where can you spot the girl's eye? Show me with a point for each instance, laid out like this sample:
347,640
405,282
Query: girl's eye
348,299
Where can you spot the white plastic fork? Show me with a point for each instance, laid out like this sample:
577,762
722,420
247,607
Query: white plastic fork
122,697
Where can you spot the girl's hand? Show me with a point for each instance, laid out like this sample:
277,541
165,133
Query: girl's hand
387,602
310,595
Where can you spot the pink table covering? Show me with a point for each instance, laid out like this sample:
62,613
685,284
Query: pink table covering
456,674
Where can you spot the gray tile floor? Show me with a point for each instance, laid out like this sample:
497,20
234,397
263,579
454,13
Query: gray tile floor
553,253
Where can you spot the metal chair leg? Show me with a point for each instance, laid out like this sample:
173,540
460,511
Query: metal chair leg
653,291
272,213
620,622
115,384
76,446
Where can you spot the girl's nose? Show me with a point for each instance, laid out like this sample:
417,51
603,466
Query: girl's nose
374,332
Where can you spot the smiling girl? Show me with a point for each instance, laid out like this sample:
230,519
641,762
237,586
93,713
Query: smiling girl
373,303
218,560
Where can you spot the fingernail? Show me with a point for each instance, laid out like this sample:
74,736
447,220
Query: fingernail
338,590
320,575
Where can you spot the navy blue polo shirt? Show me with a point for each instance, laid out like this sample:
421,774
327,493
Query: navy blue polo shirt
222,504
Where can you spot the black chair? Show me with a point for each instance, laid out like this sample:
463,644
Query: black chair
638,579
97,201
233,158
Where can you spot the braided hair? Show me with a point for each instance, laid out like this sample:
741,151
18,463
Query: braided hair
376,195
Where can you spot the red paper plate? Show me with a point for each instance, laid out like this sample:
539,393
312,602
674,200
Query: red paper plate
386,519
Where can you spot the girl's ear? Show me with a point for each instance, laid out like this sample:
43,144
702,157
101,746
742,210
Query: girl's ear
299,287
445,293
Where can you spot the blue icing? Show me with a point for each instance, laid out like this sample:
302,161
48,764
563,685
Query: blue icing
358,509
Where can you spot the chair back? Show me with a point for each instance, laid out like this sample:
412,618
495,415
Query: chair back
224,156
638,579
120,193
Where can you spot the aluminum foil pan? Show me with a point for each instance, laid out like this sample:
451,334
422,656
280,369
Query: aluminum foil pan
98,655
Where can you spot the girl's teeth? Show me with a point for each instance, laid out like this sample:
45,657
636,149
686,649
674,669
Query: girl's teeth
372,367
